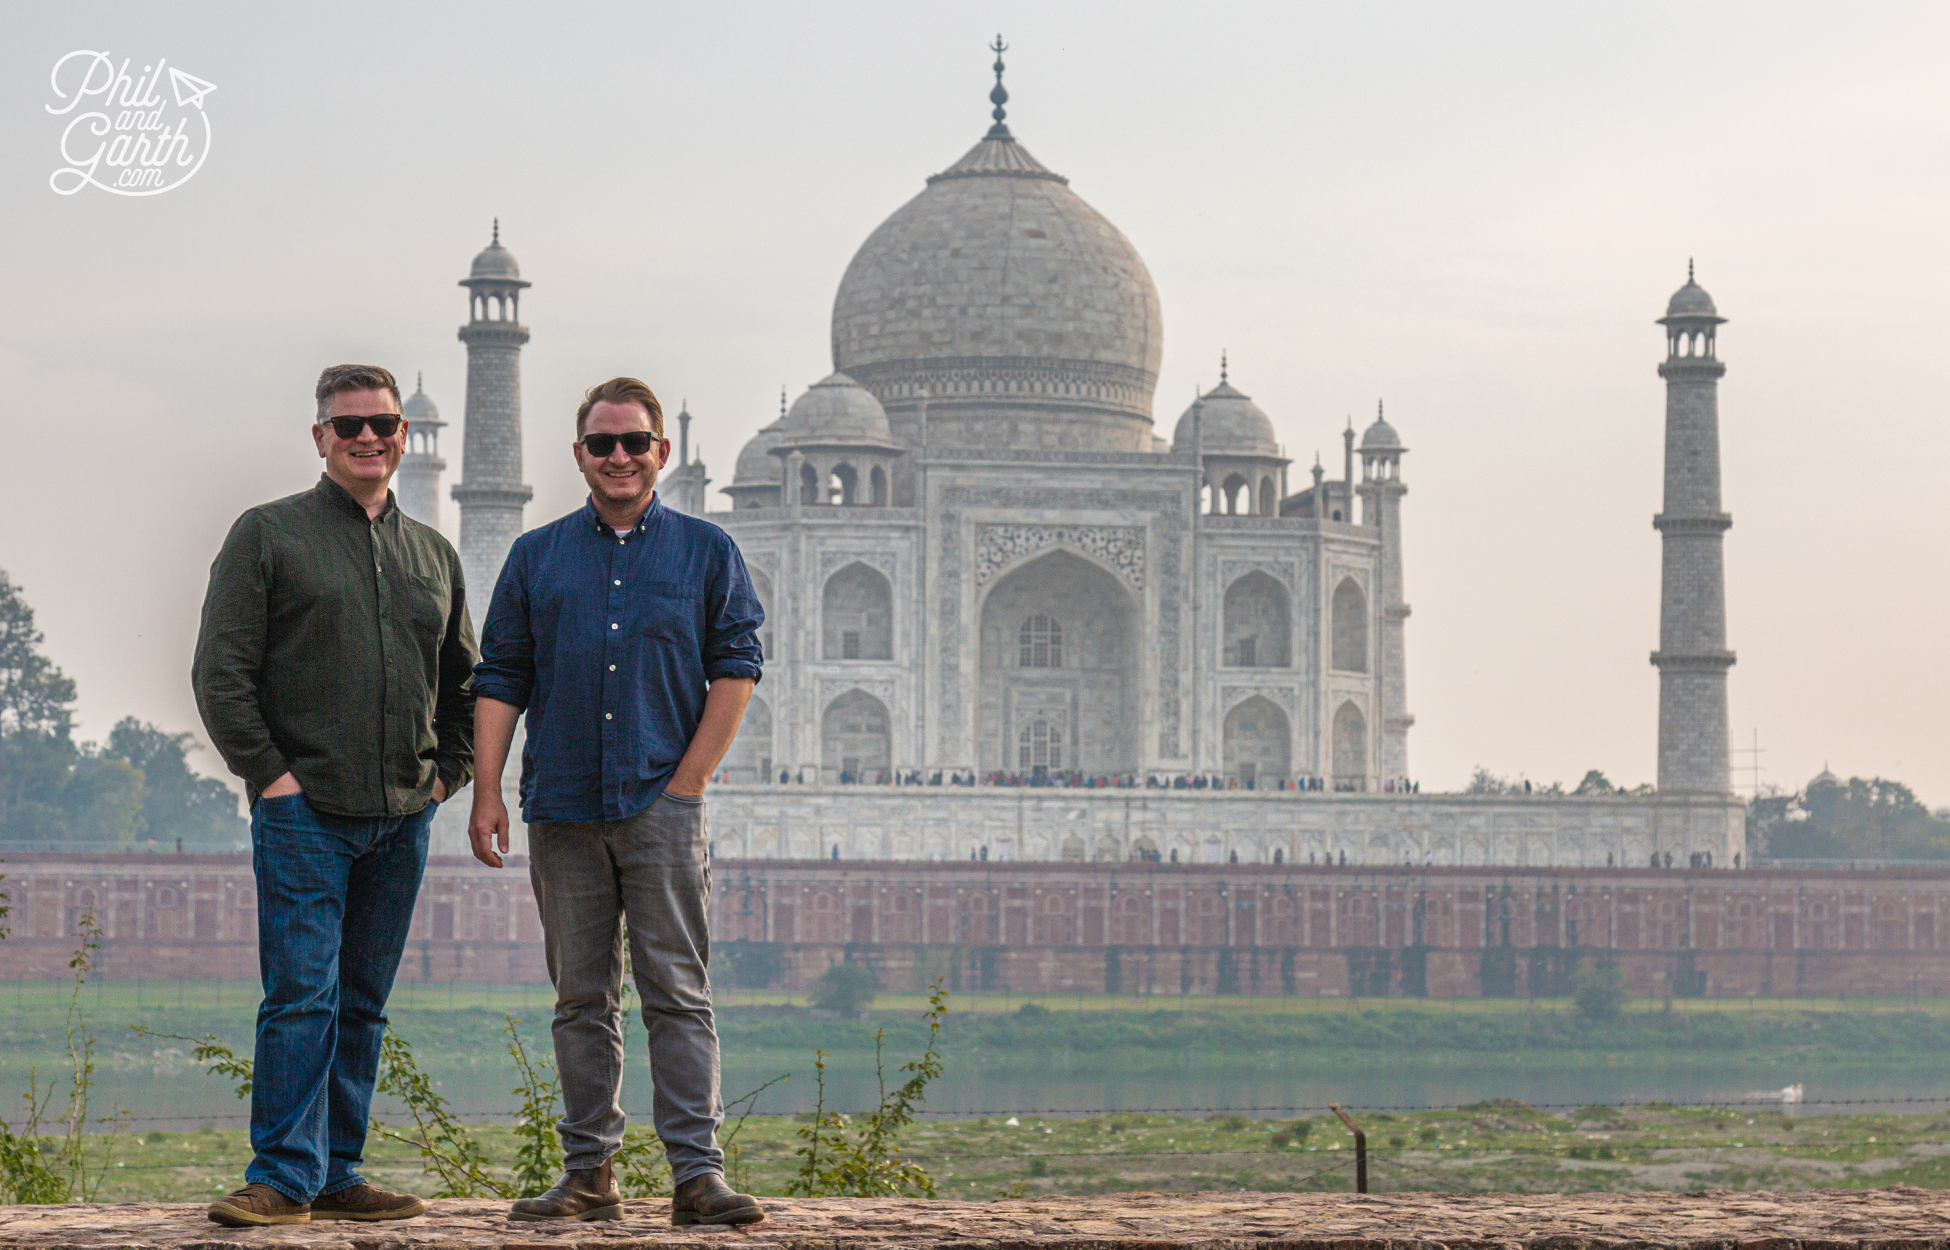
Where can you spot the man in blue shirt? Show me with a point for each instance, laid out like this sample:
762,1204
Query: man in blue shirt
629,635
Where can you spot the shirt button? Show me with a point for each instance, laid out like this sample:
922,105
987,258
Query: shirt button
612,668
612,624
607,716
617,582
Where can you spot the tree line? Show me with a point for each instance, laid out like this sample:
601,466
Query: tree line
136,786
1861,818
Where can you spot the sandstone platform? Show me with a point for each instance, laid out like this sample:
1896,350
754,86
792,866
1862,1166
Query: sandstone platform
1877,1219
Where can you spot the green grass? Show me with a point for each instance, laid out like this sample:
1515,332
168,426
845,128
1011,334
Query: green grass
1502,1146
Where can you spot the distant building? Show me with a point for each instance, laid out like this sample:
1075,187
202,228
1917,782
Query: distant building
982,563
977,552
417,484
683,485
1293,929
491,494
1692,657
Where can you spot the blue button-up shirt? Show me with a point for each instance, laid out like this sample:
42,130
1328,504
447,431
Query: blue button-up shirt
608,642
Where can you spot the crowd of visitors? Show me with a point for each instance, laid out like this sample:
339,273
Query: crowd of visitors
1070,779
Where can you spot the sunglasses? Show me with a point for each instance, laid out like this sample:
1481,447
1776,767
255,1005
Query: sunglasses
636,442
348,427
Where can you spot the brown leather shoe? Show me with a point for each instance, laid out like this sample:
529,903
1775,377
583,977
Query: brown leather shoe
584,1194
707,1199
257,1204
363,1202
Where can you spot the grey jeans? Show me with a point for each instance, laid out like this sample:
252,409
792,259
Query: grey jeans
590,877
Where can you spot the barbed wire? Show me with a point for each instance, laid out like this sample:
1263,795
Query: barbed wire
1482,1105
1382,1156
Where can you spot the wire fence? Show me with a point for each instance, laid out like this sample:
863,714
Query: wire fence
1487,1105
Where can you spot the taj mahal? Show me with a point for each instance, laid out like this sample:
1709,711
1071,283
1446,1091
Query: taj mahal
1011,616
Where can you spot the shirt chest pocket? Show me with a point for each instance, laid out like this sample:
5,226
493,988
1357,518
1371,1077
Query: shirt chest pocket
425,600
671,611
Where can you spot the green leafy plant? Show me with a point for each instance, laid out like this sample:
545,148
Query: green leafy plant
847,989
1599,992
538,1153
32,1167
840,1160
25,1176
641,1169
447,1148
734,1154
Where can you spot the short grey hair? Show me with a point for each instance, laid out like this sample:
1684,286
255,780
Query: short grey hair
339,379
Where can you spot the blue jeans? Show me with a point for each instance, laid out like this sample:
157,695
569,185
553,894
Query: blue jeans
335,898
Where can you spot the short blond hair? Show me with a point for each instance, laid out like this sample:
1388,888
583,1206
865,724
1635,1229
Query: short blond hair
623,391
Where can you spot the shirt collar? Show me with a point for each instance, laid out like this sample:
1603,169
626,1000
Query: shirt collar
593,519
342,497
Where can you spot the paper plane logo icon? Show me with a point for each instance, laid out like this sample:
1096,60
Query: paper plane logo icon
190,89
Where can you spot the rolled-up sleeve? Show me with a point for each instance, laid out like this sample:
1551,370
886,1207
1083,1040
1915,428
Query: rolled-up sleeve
506,672
227,670
732,619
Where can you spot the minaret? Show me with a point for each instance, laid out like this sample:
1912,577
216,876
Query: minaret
418,482
491,493
1692,657
682,486
1347,474
1381,506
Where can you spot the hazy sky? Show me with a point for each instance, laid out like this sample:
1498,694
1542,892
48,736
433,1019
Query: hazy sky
1473,211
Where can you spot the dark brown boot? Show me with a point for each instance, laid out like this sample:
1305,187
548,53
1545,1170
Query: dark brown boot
363,1202
584,1194
257,1204
707,1199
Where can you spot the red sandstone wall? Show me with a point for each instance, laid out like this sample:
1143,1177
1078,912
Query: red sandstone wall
1128,928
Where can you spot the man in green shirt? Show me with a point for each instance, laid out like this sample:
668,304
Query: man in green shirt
333,671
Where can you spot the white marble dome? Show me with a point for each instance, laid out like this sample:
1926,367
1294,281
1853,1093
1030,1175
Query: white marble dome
757,466
1381,436
997,283
835,410
1234,425
1692,300
495,261
419,408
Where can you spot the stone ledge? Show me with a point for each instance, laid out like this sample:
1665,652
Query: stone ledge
1876,1219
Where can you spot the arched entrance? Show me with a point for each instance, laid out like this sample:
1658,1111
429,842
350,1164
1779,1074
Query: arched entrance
856,616
1256,623
1058,682
1350,748
1257,743
854,743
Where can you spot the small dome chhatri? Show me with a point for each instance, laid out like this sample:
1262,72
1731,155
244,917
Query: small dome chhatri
495,261
836,410
757,466
419,408
1233,424
1692,300
1381,436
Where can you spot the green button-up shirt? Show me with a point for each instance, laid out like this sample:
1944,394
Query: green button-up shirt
338,649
